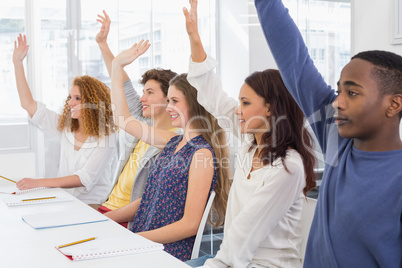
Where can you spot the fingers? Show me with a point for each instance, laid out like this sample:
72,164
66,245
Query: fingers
193,4
140,47
104,18
21,41
186,13
106,15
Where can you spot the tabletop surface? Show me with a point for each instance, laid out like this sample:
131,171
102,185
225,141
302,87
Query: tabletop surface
23,246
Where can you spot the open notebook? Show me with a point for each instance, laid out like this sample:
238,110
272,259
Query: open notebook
33,198
109,247
14,190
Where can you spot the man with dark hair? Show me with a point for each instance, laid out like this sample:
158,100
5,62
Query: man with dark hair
357,222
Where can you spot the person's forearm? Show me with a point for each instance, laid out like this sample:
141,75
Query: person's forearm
27,101
197,49
62,182
176,231
108,59
124,214
118,97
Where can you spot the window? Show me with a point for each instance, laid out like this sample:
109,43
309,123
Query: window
61,35
12,22
325,26
13,122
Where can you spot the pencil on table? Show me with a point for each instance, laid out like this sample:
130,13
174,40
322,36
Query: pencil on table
77,242
7,179
40,198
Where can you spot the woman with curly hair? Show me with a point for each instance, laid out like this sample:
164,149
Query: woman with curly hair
86,132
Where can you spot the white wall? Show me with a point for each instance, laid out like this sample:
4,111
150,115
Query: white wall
233,38
17,166
372,27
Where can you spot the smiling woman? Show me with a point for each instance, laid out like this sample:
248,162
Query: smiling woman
188,169
85,129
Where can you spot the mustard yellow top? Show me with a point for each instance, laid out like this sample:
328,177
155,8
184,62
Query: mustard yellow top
121,194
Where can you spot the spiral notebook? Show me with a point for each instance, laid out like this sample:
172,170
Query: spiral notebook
35,198
109,247
14,190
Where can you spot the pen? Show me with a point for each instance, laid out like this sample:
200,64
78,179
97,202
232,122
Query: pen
8,179
77,242
40,198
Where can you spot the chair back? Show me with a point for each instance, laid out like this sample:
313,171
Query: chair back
201,227
308,209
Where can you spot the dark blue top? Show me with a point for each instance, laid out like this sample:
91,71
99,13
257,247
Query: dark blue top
165,193
357,222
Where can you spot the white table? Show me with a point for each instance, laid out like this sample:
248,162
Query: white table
23,246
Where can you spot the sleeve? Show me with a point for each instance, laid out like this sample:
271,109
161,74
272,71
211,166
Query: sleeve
262,213
92,171
297,69
46,119
134,103
211,95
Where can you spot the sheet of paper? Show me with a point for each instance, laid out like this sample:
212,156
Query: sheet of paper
63,218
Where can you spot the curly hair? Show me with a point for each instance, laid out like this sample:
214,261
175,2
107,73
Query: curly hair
97,115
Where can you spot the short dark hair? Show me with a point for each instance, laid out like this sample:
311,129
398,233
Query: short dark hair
162,76
387,71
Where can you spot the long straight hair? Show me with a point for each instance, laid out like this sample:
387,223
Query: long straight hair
207,124
287,124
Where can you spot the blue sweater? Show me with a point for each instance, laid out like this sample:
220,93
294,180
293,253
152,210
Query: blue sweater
357,222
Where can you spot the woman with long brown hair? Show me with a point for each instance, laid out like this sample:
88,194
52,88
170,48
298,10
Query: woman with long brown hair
274,168
189,167
85,129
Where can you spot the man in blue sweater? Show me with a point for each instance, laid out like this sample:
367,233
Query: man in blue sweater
357,222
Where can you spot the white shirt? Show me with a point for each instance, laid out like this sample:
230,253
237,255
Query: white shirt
93,163
262,225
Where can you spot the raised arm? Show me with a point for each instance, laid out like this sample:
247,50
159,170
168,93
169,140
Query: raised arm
297,69
20,52
197,49
201,75
155,137
101,39
133,100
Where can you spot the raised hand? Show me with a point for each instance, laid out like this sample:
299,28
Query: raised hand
128,56
101,37
197,49
20,49
191,18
